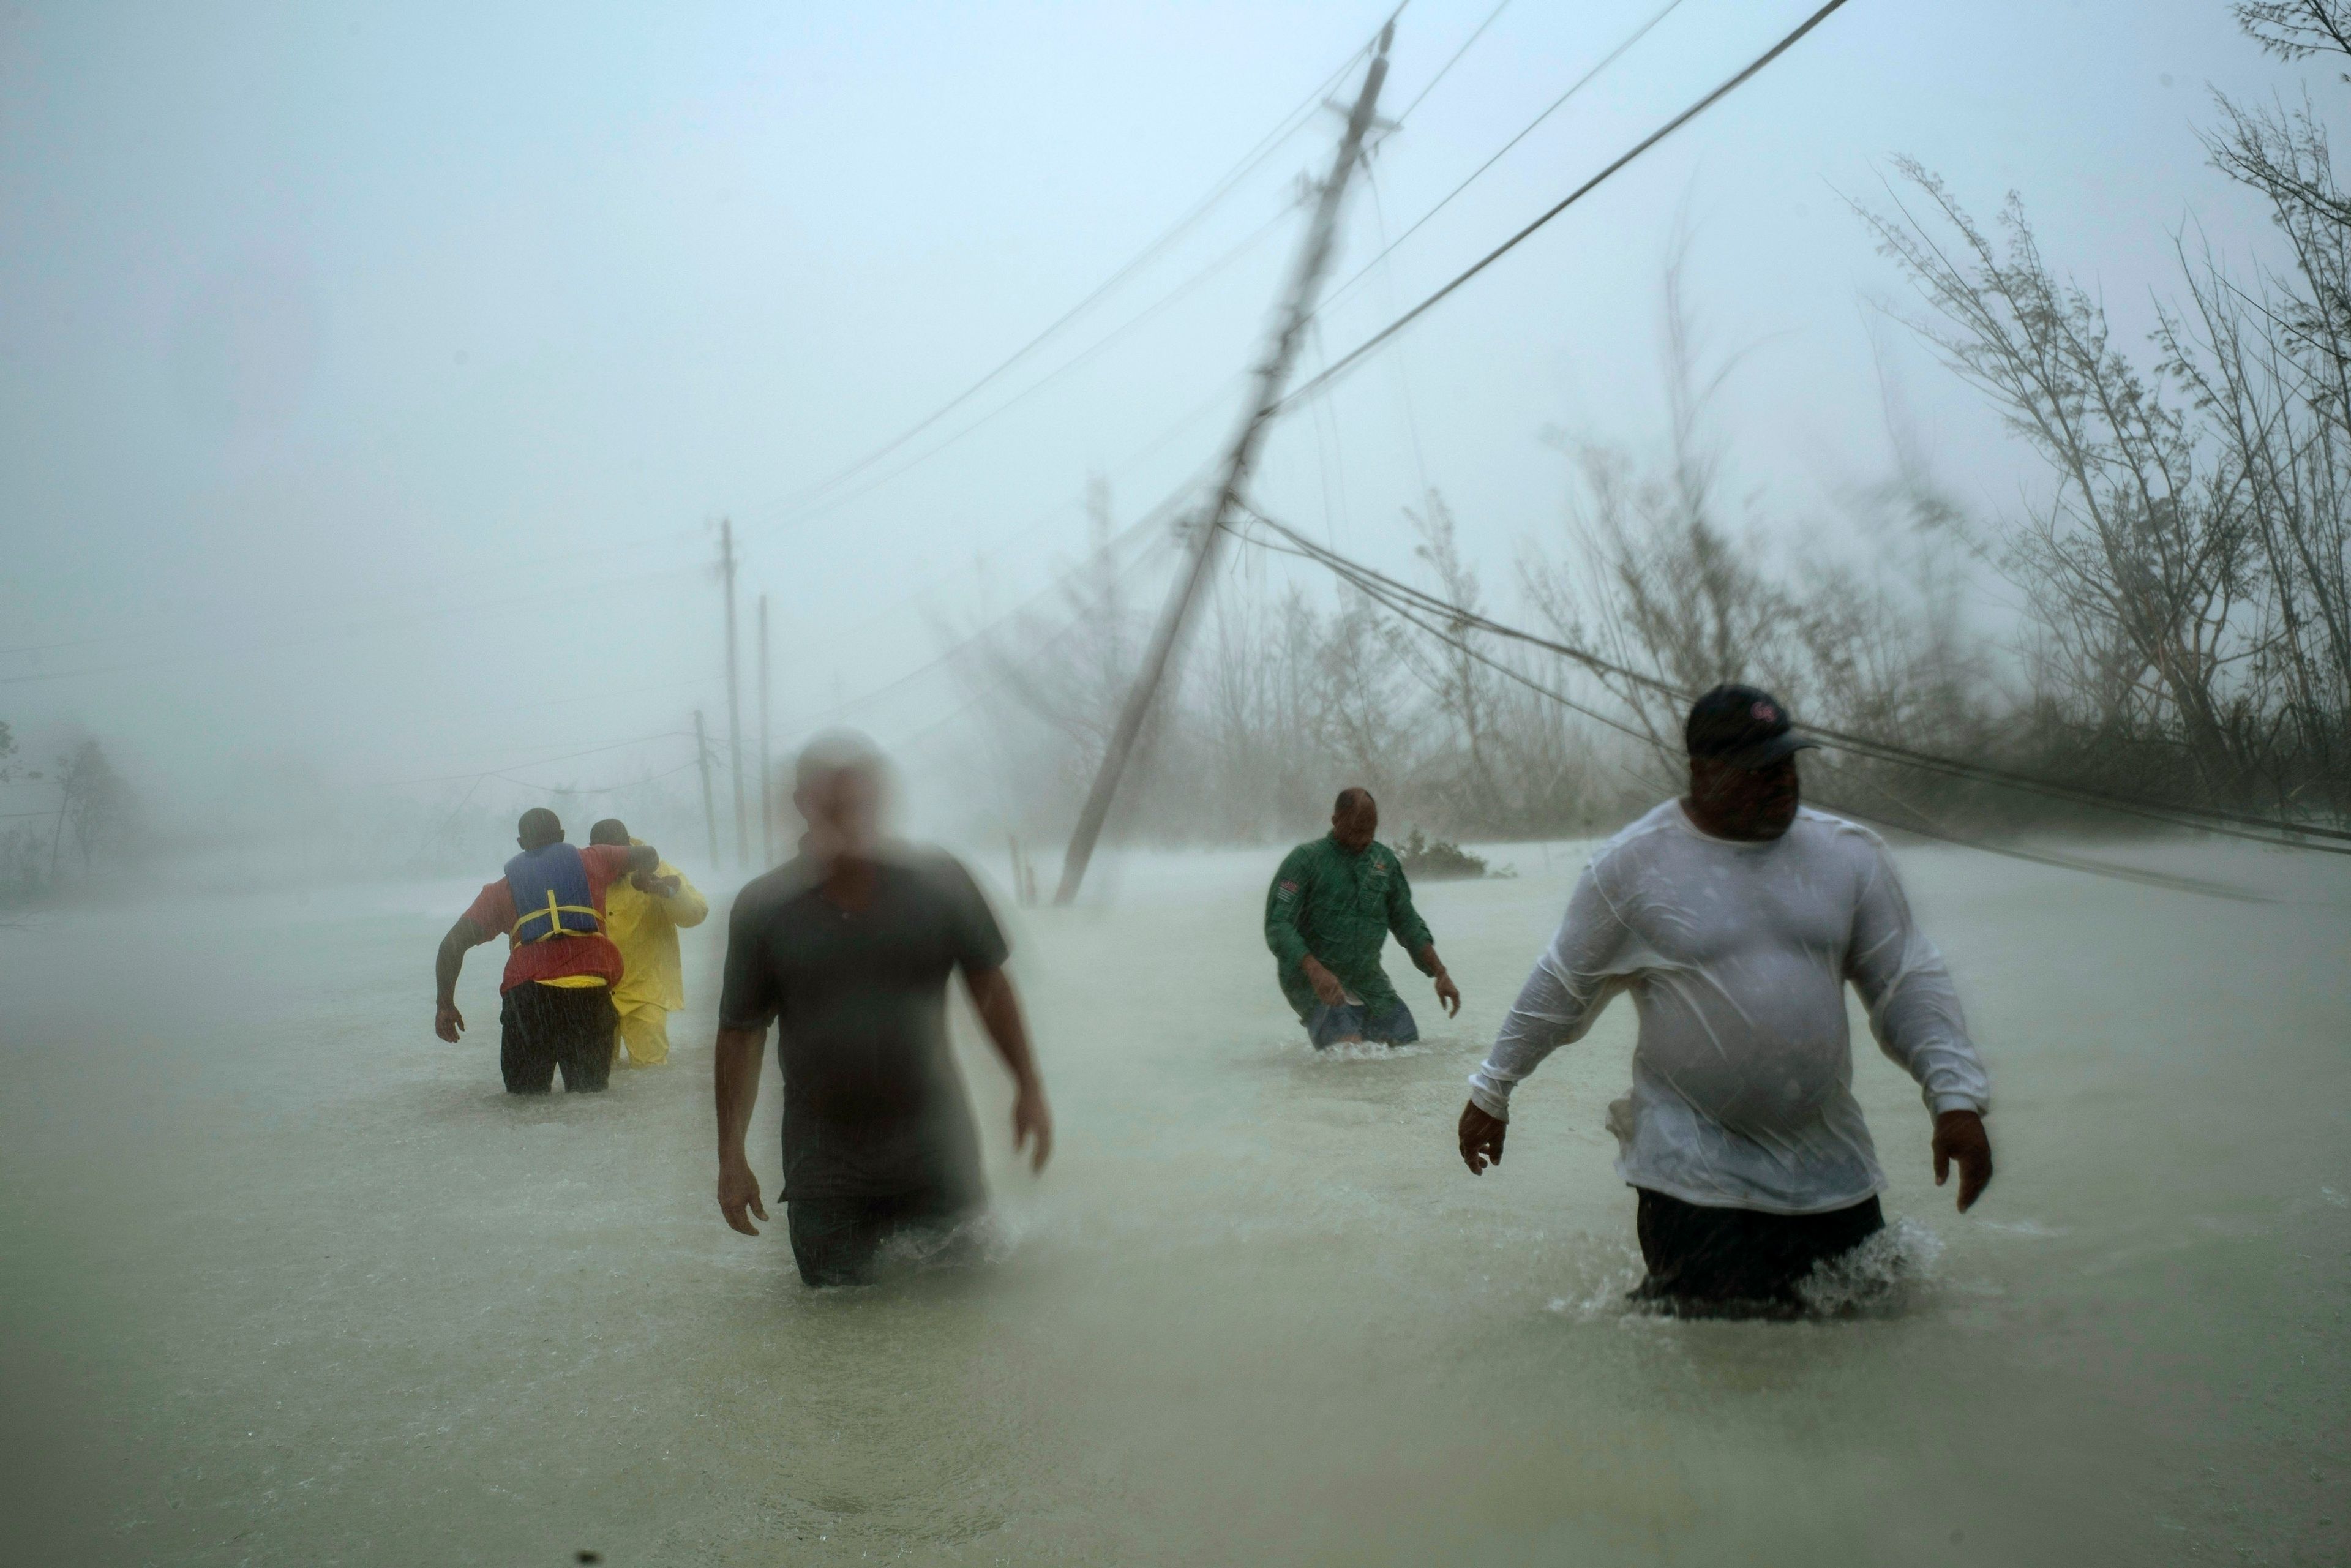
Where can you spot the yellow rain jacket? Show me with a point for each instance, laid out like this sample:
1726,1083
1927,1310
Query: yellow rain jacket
644,927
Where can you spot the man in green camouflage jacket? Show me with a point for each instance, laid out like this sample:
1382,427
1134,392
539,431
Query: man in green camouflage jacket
1329,912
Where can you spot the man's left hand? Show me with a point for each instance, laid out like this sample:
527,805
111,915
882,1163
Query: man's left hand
1449,994
1961,1139
1032,1120
447,1021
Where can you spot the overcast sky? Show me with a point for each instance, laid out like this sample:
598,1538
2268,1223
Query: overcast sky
372,378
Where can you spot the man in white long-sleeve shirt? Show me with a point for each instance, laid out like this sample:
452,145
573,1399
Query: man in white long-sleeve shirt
1735,917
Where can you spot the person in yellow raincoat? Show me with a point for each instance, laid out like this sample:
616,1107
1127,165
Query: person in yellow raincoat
642,915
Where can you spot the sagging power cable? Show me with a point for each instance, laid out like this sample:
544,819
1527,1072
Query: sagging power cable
1388,247
2275,832
1916,821
1153,522
834,502
1355,355
1466,44
1289,125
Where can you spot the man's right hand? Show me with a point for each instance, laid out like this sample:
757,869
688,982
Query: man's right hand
447,1021
739,1191
1326,984
1960,1140
1481,1138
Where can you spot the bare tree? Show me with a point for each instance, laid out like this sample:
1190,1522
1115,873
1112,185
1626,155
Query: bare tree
2136,563
2296,29
1463,687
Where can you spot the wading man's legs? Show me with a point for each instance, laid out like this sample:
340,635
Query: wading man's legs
834,1240
1738,1262
543,1027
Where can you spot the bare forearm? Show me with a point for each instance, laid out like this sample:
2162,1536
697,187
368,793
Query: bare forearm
999,1013
736,1077
451,958
1426,961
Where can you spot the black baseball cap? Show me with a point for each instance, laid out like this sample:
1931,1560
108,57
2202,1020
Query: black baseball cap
1742,727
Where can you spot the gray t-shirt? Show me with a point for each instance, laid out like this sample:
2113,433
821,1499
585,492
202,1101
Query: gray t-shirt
874,1106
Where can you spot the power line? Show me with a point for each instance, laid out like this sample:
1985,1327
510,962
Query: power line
1403,371
2206,819
915,738
1919,823
1492,256
1449,64
834,503
2237,825
1268,377
1198,412
1289,125
814,503
1580,82
1137,530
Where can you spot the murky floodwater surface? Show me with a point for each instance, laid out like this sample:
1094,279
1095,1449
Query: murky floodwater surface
284,1280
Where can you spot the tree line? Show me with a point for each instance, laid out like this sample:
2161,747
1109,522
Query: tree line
95,817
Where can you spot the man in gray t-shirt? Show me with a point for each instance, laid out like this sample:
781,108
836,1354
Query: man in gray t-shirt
848,949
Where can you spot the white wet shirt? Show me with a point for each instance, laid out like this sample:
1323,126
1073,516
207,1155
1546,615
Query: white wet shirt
1737,954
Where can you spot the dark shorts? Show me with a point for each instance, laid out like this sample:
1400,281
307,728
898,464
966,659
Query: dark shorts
1740,1263
1393,1025
834,1240
542,1027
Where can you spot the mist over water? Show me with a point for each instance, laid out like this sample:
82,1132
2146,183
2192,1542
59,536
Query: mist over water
288,1281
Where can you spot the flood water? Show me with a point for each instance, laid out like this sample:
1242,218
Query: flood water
286,1280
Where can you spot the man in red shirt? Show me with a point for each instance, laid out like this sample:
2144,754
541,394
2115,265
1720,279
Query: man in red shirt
555,1000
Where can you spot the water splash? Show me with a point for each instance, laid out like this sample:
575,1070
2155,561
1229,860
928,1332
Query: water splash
986,1239
1880,1278
1877,1279
1360,1051
1606,1292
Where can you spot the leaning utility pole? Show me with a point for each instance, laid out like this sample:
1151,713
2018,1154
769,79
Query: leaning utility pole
734,702
766,767
1272,375
709,812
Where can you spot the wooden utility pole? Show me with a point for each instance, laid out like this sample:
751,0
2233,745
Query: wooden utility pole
1272,376
767,764
709,811
733,697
